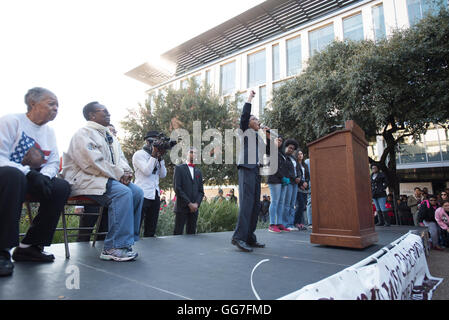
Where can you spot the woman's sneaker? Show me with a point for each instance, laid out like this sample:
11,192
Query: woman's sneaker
274,229
121,254
282,228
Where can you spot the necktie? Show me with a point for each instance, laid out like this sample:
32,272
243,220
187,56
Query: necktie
257,149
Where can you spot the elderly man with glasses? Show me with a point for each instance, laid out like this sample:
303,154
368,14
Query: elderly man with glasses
94,166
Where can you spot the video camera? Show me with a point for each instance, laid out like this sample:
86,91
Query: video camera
160,140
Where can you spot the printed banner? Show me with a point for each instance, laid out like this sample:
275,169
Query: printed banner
401,273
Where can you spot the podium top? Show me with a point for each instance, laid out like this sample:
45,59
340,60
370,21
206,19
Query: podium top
350,126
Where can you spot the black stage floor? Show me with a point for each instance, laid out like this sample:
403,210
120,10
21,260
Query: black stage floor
198,267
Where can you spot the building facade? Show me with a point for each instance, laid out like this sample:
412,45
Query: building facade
270,44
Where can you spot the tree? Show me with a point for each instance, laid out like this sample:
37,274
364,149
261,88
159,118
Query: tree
395,88
178,109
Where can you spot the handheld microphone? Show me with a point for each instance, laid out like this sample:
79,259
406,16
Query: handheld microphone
272,134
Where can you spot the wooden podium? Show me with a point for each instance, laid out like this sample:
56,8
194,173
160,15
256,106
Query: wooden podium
341,189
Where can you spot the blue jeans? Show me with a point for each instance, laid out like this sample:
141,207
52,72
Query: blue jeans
289,205
124,212
380,204
309,208
277,192
301,201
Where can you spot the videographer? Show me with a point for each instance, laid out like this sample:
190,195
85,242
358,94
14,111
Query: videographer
149,168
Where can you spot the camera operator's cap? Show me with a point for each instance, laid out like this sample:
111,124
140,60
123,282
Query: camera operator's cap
151,134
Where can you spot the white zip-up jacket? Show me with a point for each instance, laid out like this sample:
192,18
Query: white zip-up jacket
147,177
90,161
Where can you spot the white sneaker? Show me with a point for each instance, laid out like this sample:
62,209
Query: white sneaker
121,254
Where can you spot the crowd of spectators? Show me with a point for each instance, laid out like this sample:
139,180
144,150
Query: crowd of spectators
419,209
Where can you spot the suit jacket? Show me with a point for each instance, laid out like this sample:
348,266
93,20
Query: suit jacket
248,149
187,190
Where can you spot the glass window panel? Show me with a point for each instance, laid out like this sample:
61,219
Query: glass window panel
197,79
433,151
417,9
184,84
208,78
276,63
320,39
240,99
262,99
432,145
414,11
379,22
294,56
227,78
353,28
412,151
444,141
256,68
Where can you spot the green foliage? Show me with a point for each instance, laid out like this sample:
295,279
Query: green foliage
72,222
217,216
175,109
213,217
394,88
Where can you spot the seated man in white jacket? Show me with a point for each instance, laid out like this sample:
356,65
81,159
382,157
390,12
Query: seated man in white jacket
149,167
94,166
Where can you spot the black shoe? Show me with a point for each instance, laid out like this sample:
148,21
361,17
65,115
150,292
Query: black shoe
32,253
241,245
257,245
6,266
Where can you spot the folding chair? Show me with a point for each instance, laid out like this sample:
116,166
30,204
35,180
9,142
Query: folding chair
74,201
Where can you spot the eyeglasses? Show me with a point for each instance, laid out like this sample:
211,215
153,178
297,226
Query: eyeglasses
444,194
105,111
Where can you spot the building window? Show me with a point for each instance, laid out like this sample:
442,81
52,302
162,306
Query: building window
184,84
320,38
417,9
353,28
197,79
444,141
412,151
256,69
379,22
276,63
227,78
431,147
262,99
208,79
294,56
240,100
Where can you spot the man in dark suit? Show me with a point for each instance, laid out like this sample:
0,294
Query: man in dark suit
188,185
252,149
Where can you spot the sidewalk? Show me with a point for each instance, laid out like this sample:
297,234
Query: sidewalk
438,262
